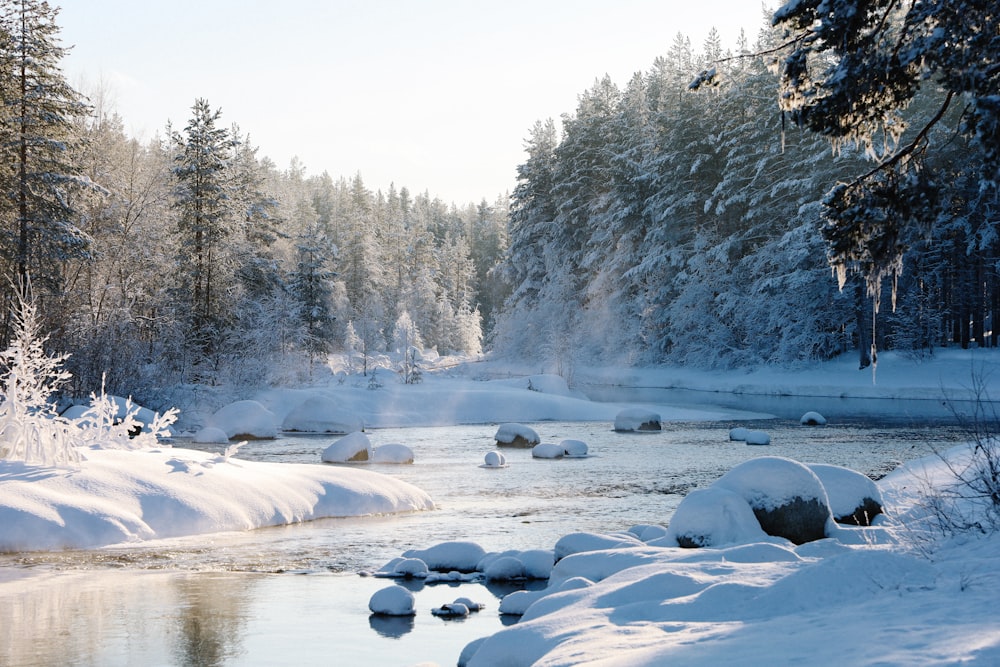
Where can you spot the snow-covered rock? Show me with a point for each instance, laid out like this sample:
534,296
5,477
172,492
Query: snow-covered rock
447,556
787,497
757,438
392,601
211,435
505,568
451,610
574,449
245,420
713,517
812,418
352,448
547,450
392,453
738,434
854,498
637,419
494,460
320,414
647,532
516,435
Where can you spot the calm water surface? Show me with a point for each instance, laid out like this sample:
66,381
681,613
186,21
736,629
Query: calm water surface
292,595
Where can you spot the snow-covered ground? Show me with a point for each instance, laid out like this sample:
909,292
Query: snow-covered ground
891,597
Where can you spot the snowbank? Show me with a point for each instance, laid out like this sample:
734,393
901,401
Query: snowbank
122,496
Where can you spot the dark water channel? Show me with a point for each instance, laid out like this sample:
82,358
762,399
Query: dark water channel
292,595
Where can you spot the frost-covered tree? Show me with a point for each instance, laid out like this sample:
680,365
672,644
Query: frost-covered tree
39,143
202,155
311,286
850,72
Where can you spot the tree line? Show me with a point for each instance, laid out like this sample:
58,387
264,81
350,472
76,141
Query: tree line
189,258
698,223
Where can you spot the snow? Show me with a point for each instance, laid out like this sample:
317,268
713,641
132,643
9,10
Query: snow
812,418
756,438
900,592
846,489
494,460
321,414
574,449
393,453
547,450
117,496
211,435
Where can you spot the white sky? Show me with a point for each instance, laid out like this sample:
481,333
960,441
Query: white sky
434,95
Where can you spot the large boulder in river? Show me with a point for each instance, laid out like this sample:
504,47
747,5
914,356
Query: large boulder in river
787,498
321,414
854,498
516,435
245,420
712,517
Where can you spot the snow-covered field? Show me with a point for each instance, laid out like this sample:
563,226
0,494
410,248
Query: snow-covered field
897,593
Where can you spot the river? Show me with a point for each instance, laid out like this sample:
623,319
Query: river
293,595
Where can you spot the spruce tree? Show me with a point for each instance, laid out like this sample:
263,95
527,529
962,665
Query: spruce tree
39,171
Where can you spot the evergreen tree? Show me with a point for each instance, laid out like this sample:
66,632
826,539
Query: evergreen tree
39,150
202,197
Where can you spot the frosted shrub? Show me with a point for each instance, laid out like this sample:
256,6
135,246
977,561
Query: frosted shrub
30,429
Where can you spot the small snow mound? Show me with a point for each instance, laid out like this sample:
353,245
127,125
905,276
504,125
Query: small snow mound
738,434
453,610
637,419
448,556
494,460
516,435
211,435
410,568
547,450
757,438
812,419
392,601
472,606
353,448
320,414
574,543
713,517
647,532
516,603
574,449
392,453
245,420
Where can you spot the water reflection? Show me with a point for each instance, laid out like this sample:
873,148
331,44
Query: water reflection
391,627
212,613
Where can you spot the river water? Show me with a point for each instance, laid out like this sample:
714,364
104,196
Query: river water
293,595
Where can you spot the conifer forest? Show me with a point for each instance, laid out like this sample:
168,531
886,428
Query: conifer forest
714,210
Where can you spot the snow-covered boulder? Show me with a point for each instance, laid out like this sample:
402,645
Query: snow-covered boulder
352,448
738,434
574,449
757,438
712,517
245,420
321,414
392,453
787,497
637,419
854,498
534,564
516,435
494,460
812,419
392,601
547,450
210,435
448,556
647,532
505,568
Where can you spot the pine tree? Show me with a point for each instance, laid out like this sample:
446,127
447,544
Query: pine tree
202,156
39,139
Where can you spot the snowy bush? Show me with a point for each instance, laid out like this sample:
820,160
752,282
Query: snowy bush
30,429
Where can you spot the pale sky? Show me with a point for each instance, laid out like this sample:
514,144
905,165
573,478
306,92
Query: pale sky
434,95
